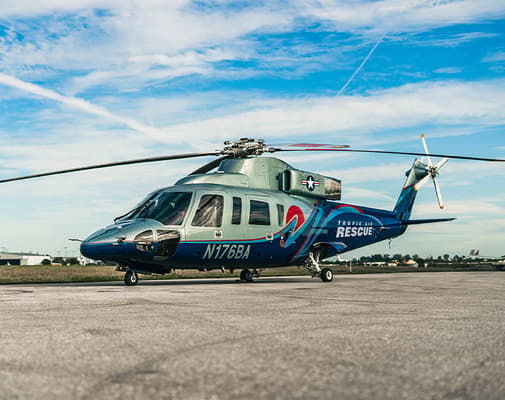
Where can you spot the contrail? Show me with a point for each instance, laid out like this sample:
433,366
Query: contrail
360,66
435,4
75,102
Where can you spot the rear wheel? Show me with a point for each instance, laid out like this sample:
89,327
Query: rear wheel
131,278
326,275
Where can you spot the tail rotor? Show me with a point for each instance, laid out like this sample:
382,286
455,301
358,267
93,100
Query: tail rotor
433,172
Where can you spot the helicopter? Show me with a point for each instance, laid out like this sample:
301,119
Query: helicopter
253,212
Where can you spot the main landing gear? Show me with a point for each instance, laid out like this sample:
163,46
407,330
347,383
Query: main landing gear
131,278
247,275
326,275
312,264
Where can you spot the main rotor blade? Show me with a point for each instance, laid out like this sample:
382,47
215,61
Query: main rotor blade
114,164
395,152
308,146
209,166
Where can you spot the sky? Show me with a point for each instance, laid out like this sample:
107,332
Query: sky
92,81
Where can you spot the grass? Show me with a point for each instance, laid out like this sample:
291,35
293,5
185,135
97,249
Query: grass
94,273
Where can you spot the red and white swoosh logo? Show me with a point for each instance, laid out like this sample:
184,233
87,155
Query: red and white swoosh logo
295,212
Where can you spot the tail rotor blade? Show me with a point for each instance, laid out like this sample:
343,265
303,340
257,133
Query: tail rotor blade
441,163
423,138
439,194
422,182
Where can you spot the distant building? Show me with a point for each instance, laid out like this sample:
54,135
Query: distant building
22,258
408,263
375,264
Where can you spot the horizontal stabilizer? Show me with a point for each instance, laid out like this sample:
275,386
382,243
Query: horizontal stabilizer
426,221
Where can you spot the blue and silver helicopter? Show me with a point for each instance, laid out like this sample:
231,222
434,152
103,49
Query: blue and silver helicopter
253,212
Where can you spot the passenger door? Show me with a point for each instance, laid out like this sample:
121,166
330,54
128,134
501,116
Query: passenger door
207,220
259,218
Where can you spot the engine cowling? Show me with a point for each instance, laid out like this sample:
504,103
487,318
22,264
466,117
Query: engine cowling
306,183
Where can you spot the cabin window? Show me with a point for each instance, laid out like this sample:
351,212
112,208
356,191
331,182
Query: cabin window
280,214
209,212
237,211
259,213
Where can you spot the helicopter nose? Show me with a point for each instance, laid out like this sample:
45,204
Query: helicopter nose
139,240
86,250
119,242
102,250
105,244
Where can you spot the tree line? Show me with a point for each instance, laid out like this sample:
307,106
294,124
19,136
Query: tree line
446,258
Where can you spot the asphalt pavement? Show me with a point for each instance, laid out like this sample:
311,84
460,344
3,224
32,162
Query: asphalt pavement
384,336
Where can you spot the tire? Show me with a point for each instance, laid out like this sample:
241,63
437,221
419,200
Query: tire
246,275
326,275
131,278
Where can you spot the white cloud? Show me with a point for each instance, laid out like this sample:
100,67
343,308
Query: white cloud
12,8
467,208
375,173
447,41
403,109
479,104
499,56
74,102
357,194
131,44
134,44
396,16
448,70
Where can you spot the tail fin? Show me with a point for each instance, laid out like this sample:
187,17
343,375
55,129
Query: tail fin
416,177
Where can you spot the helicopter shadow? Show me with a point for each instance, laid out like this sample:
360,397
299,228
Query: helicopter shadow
183,282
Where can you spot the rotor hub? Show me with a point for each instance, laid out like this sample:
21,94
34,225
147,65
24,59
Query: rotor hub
433,171
246,147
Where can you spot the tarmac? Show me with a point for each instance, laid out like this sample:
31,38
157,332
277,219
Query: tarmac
384,336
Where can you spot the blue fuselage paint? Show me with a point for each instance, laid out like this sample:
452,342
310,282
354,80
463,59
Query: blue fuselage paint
333,226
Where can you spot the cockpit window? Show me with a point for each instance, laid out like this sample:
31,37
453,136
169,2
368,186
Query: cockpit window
169,208
131,214
209,212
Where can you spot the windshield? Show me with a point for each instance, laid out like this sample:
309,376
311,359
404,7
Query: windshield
169,208
131,213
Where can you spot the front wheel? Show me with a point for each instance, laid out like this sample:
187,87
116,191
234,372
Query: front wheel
246,275
326,275
131,278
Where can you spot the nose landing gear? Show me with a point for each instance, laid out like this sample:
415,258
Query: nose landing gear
131,278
